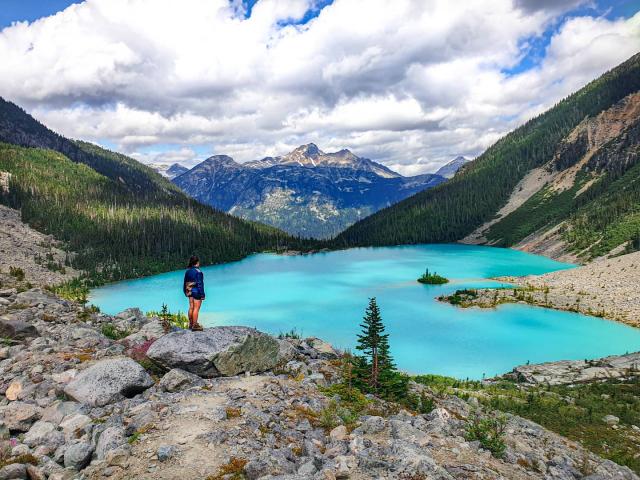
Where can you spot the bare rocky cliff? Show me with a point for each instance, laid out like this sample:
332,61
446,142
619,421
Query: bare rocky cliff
604,145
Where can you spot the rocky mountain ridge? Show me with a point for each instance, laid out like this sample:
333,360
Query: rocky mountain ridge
306,192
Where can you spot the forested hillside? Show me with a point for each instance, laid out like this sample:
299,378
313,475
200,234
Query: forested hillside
123,219
456,208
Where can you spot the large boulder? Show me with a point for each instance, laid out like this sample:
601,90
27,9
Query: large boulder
19,416
218,351
16,329
36,296
109,381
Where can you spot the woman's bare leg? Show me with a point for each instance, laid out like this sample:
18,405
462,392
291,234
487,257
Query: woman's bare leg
190,315
196,310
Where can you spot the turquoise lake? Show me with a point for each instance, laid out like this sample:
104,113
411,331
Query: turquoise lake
325,295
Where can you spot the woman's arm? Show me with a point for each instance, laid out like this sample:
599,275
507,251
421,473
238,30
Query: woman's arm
200,282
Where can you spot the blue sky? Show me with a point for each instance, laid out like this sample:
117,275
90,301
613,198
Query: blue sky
30,10
408,83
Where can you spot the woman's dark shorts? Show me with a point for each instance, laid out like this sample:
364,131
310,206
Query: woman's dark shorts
196,295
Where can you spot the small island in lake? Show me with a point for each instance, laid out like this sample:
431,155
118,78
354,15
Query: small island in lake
432,278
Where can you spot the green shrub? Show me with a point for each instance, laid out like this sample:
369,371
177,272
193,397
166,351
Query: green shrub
489,431
461,297
111,331
293,333
169,319
74,290
17,273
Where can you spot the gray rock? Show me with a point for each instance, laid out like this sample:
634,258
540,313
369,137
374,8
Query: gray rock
373,425
109,381
16,329
37,434
110,439
35,296
19,416
165,452
255,469
150,331
4,431
35,473
177,379
576,371
75,422
78,455
307,469
131,319
611,420
58,410
324,349
14,471
218,351
132,315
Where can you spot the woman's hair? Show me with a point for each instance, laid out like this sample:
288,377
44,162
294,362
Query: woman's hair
193,261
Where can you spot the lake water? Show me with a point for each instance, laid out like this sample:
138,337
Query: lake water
325,295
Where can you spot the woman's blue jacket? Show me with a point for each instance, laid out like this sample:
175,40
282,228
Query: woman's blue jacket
196,277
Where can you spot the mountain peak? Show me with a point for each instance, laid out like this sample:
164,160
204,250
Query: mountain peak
310,149
220,160
449,169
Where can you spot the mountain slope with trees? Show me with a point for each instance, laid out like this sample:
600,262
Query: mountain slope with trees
121,218
453,210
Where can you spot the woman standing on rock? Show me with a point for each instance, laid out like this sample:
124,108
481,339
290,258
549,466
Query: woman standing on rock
194,289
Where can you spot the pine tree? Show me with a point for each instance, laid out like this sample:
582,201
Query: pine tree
375,370
372,342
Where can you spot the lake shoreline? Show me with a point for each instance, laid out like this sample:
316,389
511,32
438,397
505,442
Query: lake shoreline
605,288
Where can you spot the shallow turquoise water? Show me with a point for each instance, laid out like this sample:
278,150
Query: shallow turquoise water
325,295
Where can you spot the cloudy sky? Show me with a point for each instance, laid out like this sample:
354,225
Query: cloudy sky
408,83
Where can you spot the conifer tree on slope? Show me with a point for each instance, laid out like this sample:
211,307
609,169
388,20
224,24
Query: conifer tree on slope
375,370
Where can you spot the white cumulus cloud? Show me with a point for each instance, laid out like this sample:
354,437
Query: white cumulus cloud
411,83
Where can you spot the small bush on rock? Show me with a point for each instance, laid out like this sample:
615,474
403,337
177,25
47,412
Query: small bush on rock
232,470
17,273
170,320
111,331
489,431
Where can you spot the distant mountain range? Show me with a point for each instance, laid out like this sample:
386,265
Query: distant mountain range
169,171
564,184
306,192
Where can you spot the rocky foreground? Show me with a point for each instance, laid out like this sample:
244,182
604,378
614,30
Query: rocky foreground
606,288
229,402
